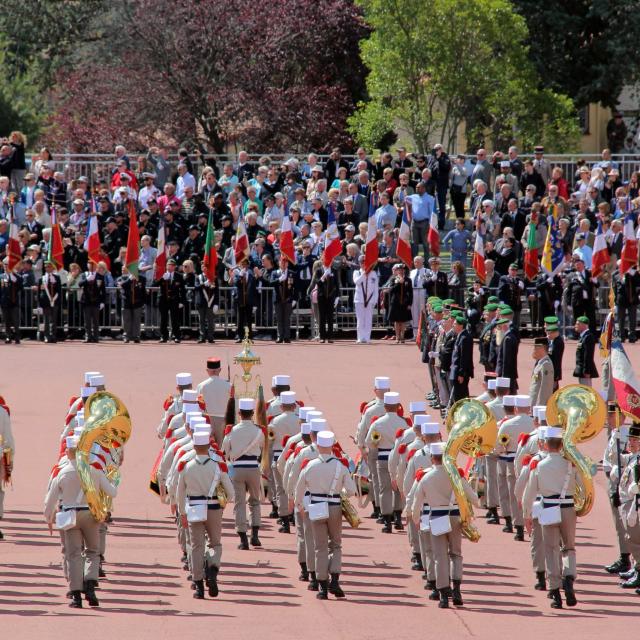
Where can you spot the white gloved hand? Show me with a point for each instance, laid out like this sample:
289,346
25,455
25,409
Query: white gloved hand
166,275
521,284
634,489
39,310
294,304
336,303
102,306
215,308
180,306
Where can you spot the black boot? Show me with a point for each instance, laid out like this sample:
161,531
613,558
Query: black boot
244,542
416,562
388,520
431,585
397,523
444,598
101,573
569,593
285,527
90,593
556,599
621,565
494,518
625,575
334,586
198,594
541,585
508,526
633,582
456,596
313,581
212,581
304,574
519,533
323,590
255,541
376,512
76,600
274,511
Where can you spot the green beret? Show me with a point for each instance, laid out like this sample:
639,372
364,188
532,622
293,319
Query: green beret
502,321
513,265
583,319
552,327
432,299
171,261
507,311
461,320
493,299
551,320
449,301
491,307
437,308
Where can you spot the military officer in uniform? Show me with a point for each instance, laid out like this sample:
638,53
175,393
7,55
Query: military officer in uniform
198,485
93,301
556,348
171,301
585,369
507,363
435,490
82,539
134,296
365,299
243,448
484,342
461,362
437,283
555,479
579,292
215,392
207,299
491,460
324,480
542,379
50,300
626,289
284,288
510,292
10,295
7,452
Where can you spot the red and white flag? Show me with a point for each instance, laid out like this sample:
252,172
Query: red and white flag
629,255
92,241
332,244
160,265
286,239
600,257
241,244
478,254
624,381
403,247
371,252
433,236
14,252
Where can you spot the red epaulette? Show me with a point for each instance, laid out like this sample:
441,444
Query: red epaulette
526,460
344,461
285,437
181,453
181,465
2,400
363,406
533,464
201,403
227,429
269,419
72,399
305,462
411,454
289,453
374,419
55,471
298,449
169,433
300,403
402,449
461,472
69,418
409,421
419,474
223,467
173,441
168,402
523,438
96,465
399,433
400,411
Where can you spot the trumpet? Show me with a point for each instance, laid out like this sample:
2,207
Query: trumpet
504,439
349,512
221,495
271,434
375,436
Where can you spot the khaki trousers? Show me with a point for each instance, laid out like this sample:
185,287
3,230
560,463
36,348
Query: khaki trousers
327,538
384,484
86,534
281,496
309,542
246,480
506,492
212,526
447,554
537,547
426,551
491,481
217,428
103,538
621,533
300,543
559,548
65,561
413,536
632,537
1,497
374,485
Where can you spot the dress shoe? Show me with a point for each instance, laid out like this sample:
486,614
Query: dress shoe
162,341
625,575
444,598
508,526
633,582
201,340
621,565
494,518
431,586
388,521
90,593
397,521
279,341
212,581
323,590
286,527
287,341
212,341
176,340
519,533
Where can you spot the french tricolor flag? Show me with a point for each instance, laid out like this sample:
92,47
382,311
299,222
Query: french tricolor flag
624,381
332,244
403,248
600,258
629,255
371,246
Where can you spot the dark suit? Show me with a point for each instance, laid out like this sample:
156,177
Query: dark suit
579,295
461,366
207,296
585,363
328,291
626,289
244,289
93,295
510,292
50,301
284,292
134,297
172,295
11,286
360,208
438,287
556,351
487,355
507,362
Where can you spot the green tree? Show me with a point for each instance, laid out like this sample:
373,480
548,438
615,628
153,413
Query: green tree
434,64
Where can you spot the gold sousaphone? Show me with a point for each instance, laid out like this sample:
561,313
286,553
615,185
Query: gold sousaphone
472,430
107,426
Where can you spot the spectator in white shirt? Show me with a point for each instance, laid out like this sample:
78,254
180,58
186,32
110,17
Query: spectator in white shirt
185,179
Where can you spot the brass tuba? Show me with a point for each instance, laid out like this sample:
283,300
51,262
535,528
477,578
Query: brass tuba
349,512
472,430
107,425
582,414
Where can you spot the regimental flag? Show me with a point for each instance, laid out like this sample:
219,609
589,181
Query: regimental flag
531,266
92,241
478,253
371,246
600,256
56,248
624,381
332,244
160,265
286,237
210,261
629,255
13,246
433,236
132,257
241,243
403,247
553,252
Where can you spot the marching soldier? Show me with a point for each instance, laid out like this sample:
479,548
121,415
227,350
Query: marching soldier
215,392
10,294
542,379
555,479
171,301
198,488
242,446
556,348
93,300
325,479
585,369
515,424
50,300
134,296
380,438
173,404
7,453
82,531
435,491
279,383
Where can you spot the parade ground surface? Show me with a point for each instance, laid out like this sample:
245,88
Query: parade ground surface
146,594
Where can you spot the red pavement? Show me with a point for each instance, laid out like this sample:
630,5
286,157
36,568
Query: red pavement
146,594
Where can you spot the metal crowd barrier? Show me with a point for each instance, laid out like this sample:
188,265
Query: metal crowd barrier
71,318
